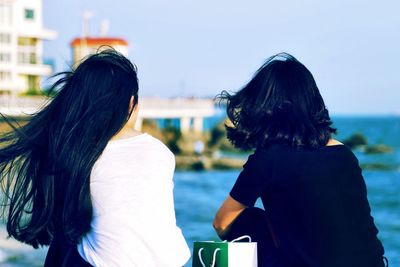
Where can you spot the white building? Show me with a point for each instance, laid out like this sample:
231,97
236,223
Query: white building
21,45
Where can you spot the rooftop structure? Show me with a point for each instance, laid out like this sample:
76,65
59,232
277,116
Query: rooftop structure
83,46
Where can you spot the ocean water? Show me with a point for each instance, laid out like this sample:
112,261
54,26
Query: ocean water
198,195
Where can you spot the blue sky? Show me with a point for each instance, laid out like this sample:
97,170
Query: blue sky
198,48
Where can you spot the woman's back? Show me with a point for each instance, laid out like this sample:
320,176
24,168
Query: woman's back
68,183
317,202
132,189
314,192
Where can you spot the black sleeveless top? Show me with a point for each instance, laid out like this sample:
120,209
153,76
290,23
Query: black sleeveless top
317,203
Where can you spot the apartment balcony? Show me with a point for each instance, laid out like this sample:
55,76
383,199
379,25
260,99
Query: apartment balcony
34,69
42,34
9,85
30,63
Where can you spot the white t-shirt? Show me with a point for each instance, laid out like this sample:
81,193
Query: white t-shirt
133,207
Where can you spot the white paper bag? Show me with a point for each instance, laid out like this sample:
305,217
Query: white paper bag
225,254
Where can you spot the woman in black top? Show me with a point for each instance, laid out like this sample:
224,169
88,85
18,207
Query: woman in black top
311,186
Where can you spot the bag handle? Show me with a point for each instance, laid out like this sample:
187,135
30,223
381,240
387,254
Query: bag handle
241,237
214,257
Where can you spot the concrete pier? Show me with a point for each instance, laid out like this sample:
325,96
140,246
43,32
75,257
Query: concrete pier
190,111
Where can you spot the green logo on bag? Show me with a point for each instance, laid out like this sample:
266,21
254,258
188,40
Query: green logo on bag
210,254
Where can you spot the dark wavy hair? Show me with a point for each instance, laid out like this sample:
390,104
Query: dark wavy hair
281,104
45,165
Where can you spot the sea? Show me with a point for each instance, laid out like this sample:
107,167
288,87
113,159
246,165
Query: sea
198,195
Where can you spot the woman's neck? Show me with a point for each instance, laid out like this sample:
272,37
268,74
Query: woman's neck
126,132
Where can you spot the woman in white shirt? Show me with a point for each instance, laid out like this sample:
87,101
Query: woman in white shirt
80,179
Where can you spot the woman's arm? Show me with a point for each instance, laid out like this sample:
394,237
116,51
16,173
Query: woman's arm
226,214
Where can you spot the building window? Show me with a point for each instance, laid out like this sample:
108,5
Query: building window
5,57
5,75
5,38
29,14
24,41
33,83
27,53
27,58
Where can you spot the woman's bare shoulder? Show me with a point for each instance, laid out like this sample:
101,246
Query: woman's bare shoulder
334,142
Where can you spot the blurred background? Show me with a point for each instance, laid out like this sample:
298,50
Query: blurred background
187,52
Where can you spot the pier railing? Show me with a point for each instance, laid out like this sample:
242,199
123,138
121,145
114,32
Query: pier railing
190,111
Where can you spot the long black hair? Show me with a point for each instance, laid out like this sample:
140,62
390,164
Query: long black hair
45,165
280,104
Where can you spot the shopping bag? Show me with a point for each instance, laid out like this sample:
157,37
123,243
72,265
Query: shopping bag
225,254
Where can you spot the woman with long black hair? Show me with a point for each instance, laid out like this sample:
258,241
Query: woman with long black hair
77,176
311,186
